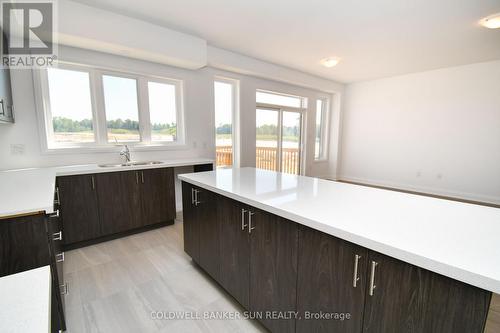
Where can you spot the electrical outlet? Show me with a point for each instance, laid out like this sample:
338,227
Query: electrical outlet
17,149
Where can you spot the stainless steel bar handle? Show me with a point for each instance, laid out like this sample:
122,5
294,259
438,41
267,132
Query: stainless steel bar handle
142,176
93,182
250,228
243,225
60,257
192,196
137,177
372,278
57,236
65,288
57,201
355,277
196,202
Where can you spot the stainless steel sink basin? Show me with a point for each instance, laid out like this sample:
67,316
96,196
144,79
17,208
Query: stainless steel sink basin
112,165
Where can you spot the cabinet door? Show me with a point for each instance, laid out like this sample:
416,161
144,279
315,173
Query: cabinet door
273,268
119,201
79,208
23,244
190,223
325,284
158,196
411,299
209,233
234,250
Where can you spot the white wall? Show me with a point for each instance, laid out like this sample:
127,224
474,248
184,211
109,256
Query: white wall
436,131
199,115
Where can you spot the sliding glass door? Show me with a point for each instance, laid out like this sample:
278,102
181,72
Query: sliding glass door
278,140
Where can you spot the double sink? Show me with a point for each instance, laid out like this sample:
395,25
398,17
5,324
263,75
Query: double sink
128,164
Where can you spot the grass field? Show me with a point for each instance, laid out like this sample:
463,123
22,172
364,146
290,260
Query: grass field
121,135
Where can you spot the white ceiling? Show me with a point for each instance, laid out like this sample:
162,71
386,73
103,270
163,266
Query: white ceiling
374,38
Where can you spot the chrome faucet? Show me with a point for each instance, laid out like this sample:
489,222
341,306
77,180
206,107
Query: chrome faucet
125,152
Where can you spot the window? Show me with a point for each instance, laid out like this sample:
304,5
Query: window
122,111
224,107
320,130
162,111
86,107
279,131
71,109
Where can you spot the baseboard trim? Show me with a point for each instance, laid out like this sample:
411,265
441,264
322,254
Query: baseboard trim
453,197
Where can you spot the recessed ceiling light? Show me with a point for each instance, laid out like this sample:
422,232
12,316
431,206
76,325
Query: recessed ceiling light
330,62
491,22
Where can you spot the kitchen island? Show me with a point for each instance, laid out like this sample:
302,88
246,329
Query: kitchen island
395,261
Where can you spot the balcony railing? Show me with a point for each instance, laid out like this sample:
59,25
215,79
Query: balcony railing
265,158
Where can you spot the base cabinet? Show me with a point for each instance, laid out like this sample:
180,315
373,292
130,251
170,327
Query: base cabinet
191,224
273,268
332,279
105,204
407,298
270,264
234,249
30,242
77,197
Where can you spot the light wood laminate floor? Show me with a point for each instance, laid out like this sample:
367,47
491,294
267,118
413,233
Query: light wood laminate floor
115,286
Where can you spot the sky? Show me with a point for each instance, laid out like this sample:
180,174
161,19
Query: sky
120,97
223,96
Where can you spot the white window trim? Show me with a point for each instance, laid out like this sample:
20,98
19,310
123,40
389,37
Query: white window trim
303,100
235,116
325,121
101,143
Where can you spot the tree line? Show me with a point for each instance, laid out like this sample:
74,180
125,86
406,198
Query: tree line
262,130
62,124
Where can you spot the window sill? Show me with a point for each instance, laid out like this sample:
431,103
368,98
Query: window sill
53,150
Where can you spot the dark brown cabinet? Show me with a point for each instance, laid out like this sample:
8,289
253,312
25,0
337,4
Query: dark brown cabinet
23,244
273,265
200,218
209,246
251,253
106,204
407,298
190,222
30,242
59,287
273,268
234,249
157,192
77,196
331,279
119,201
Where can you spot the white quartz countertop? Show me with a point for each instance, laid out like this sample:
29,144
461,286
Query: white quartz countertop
29,191
455,239
25,301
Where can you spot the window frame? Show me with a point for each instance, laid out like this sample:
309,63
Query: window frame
179,114
101,142
325,120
